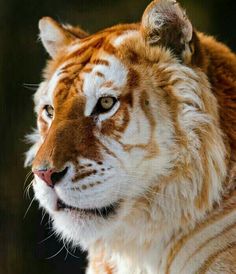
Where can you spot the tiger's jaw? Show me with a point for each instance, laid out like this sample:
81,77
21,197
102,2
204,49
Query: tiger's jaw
80,210
88,209
79,225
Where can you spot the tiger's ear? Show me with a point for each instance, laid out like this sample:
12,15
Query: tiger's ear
165,23
54,36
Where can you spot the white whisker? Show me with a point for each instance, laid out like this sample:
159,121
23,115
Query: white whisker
32,87
48,237
68,252
43,215
27,177
28,207
48,258
27,189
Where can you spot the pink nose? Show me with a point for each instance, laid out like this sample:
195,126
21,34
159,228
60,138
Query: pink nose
45,175
50,176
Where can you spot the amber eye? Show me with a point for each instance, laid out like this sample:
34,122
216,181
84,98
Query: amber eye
49,111
107,102
104,104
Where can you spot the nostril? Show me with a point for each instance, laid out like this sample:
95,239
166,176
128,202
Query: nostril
57,176
50,176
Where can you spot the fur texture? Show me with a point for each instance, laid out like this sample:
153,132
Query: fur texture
163,156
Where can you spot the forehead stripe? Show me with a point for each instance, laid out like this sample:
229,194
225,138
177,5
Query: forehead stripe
100,62
96,43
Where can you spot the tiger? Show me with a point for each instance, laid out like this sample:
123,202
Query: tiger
134,152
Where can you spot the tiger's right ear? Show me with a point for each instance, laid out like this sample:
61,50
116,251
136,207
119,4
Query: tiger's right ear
165,23
55,36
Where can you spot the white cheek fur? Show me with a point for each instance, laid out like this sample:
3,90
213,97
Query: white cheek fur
45,195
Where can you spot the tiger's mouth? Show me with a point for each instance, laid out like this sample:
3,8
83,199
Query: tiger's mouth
104,212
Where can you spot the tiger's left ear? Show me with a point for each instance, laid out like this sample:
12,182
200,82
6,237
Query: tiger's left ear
165,23
55,36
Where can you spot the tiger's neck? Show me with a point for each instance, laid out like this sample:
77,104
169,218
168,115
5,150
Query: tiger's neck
149,248
150,243
150,239
145,238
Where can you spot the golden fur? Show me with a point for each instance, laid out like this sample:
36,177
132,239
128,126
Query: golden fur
182,85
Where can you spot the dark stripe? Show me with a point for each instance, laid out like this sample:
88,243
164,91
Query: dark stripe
100,62
209,261
225,230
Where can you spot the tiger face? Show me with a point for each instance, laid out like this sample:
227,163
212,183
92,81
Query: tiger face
120,114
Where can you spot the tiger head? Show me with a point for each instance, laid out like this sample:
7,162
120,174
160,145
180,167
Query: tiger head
128,128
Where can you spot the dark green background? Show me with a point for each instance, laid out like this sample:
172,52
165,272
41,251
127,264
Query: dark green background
21,61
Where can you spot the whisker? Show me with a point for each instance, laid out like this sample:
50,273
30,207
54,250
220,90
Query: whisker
27,177
28,207
29,86
27,190
48,258
48,237
68,252
49,222
43,215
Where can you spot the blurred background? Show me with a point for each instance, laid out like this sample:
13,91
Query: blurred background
24,247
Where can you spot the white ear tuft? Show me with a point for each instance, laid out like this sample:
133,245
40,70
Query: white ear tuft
53,35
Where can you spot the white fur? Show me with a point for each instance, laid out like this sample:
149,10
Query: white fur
52,35
123,37
93,84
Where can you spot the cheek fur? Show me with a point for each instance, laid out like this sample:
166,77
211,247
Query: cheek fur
117,124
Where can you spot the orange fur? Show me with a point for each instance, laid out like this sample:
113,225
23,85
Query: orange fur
150,61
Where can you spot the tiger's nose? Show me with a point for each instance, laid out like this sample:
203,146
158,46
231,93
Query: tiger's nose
50,176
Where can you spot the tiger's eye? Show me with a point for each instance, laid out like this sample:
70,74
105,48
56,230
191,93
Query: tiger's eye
49,111
104,104
107,102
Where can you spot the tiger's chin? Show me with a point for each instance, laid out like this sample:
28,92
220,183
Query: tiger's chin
77,225
81,226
